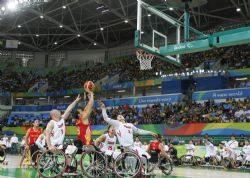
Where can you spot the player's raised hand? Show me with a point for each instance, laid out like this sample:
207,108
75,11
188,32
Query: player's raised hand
78,98
101,104
154,134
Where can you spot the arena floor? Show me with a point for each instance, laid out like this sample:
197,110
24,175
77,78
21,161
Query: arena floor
12,170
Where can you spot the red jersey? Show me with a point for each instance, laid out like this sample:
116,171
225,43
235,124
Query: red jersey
85,132
34,135
154,146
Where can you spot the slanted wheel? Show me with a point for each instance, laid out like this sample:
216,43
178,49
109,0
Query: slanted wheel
2,155
165,166
35,157
51,164
227,163
127,164
197,161
93,164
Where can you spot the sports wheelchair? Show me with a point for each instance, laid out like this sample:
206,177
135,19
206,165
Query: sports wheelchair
191,160
53,164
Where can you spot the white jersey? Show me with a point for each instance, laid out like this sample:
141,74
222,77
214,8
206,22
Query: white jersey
190,149
138,144
246,150
40,142
210,149
108,144
58,133
232,144
124,131
125,134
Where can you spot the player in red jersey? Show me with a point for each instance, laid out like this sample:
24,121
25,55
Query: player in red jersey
31,136
84,136
157,146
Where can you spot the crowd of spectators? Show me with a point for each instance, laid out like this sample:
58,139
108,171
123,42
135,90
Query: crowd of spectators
208,112
127,69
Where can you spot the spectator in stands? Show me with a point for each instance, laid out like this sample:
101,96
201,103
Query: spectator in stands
175,140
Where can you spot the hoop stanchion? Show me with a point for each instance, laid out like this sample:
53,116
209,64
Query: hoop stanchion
145,59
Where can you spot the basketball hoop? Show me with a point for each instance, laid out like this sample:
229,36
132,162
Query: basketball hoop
145,59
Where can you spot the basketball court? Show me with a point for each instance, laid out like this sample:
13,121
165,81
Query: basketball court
13,170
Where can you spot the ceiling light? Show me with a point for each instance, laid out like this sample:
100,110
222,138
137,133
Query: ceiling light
61,26
19,98
121,91
142,32
241,79
66,96
12,5
55,43
3,8
95,44
100,7
64,7
19,42
42,98
37,35
126,21
238,9
78,35
171,8
19,26
149,15
101,28
41,16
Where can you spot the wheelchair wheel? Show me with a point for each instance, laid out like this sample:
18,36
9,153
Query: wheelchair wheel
2,155
51,164
35,157
213,161
127,164
185,160
197,161
93,164
227,163
165,166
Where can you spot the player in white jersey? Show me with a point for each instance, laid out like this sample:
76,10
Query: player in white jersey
211,150
55,131
246,153
124,132
232,146
190,148
107,141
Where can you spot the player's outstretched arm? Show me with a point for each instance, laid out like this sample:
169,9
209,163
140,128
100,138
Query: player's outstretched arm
143,132
89,107
70,107
112,122
100,140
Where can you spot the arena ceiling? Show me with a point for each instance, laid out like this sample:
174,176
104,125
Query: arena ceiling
85,24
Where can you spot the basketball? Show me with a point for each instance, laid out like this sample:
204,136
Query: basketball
89,85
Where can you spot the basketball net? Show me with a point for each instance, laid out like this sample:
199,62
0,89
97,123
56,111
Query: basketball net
145,59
